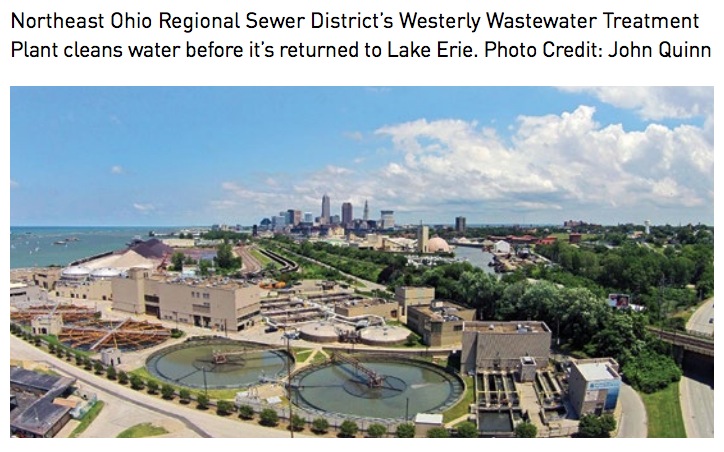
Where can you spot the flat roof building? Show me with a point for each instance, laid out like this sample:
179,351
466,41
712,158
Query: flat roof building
501,345
594,385
440,323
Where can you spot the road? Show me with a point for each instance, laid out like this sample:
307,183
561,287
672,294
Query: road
697,406
633,422
126,407
699,321
697,384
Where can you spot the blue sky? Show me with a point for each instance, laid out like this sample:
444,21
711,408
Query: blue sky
197,156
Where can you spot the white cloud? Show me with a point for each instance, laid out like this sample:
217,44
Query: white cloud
656,102
117,169
144,207
354,136
561,163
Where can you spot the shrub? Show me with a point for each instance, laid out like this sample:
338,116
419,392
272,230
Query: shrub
184,395
152,387
224,407
467,429
202,401
405,431
246,412
87,363
320,426
111,373
526,430
137,383
167,391
79,359
438,432
376,431
122,377
592,426
348,429
269,417
97,368
297,423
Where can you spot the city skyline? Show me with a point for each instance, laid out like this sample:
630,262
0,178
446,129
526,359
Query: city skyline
180,156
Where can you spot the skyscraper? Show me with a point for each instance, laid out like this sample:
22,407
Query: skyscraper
388,219
366,216
460,224
347,216
324,219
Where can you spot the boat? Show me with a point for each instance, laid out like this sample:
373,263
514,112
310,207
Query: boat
60,242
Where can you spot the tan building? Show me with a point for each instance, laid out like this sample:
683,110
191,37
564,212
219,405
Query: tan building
85,290
21,292
501,345
440,323
208,304
46,278
368,306
413,296
47,324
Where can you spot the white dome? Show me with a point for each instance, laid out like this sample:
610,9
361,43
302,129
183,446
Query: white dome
76,272
106,272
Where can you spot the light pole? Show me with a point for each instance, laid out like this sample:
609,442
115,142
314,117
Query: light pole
289,388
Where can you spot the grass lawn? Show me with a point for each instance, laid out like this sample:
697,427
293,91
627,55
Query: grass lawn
664,413
301,355
144,430
87,419
462,407
263,260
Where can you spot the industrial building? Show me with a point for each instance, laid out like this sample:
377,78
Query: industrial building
440,323
217,304
38,403
594,385
502,345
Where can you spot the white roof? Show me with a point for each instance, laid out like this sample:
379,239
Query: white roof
428,418
595,371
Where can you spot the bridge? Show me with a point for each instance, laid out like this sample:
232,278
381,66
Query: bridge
690,343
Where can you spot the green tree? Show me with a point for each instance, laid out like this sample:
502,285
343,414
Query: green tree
526,430
438,432
246,412
111,373
376,431
79,359
268,417
224,407
592,426
137,382
320,426
167,391
98,368
87,363
225,258
297,423
177,259
122,377
348,429
184,396
204,266
406,430
202,401
152,386
467,429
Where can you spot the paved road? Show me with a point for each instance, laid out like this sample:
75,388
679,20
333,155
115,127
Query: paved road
697,403
127,407
699,321
633,422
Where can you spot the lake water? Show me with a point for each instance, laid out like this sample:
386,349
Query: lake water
37,247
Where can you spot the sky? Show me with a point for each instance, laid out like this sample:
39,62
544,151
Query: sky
176,156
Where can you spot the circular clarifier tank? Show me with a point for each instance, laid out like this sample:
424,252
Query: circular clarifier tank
382,387
217,364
